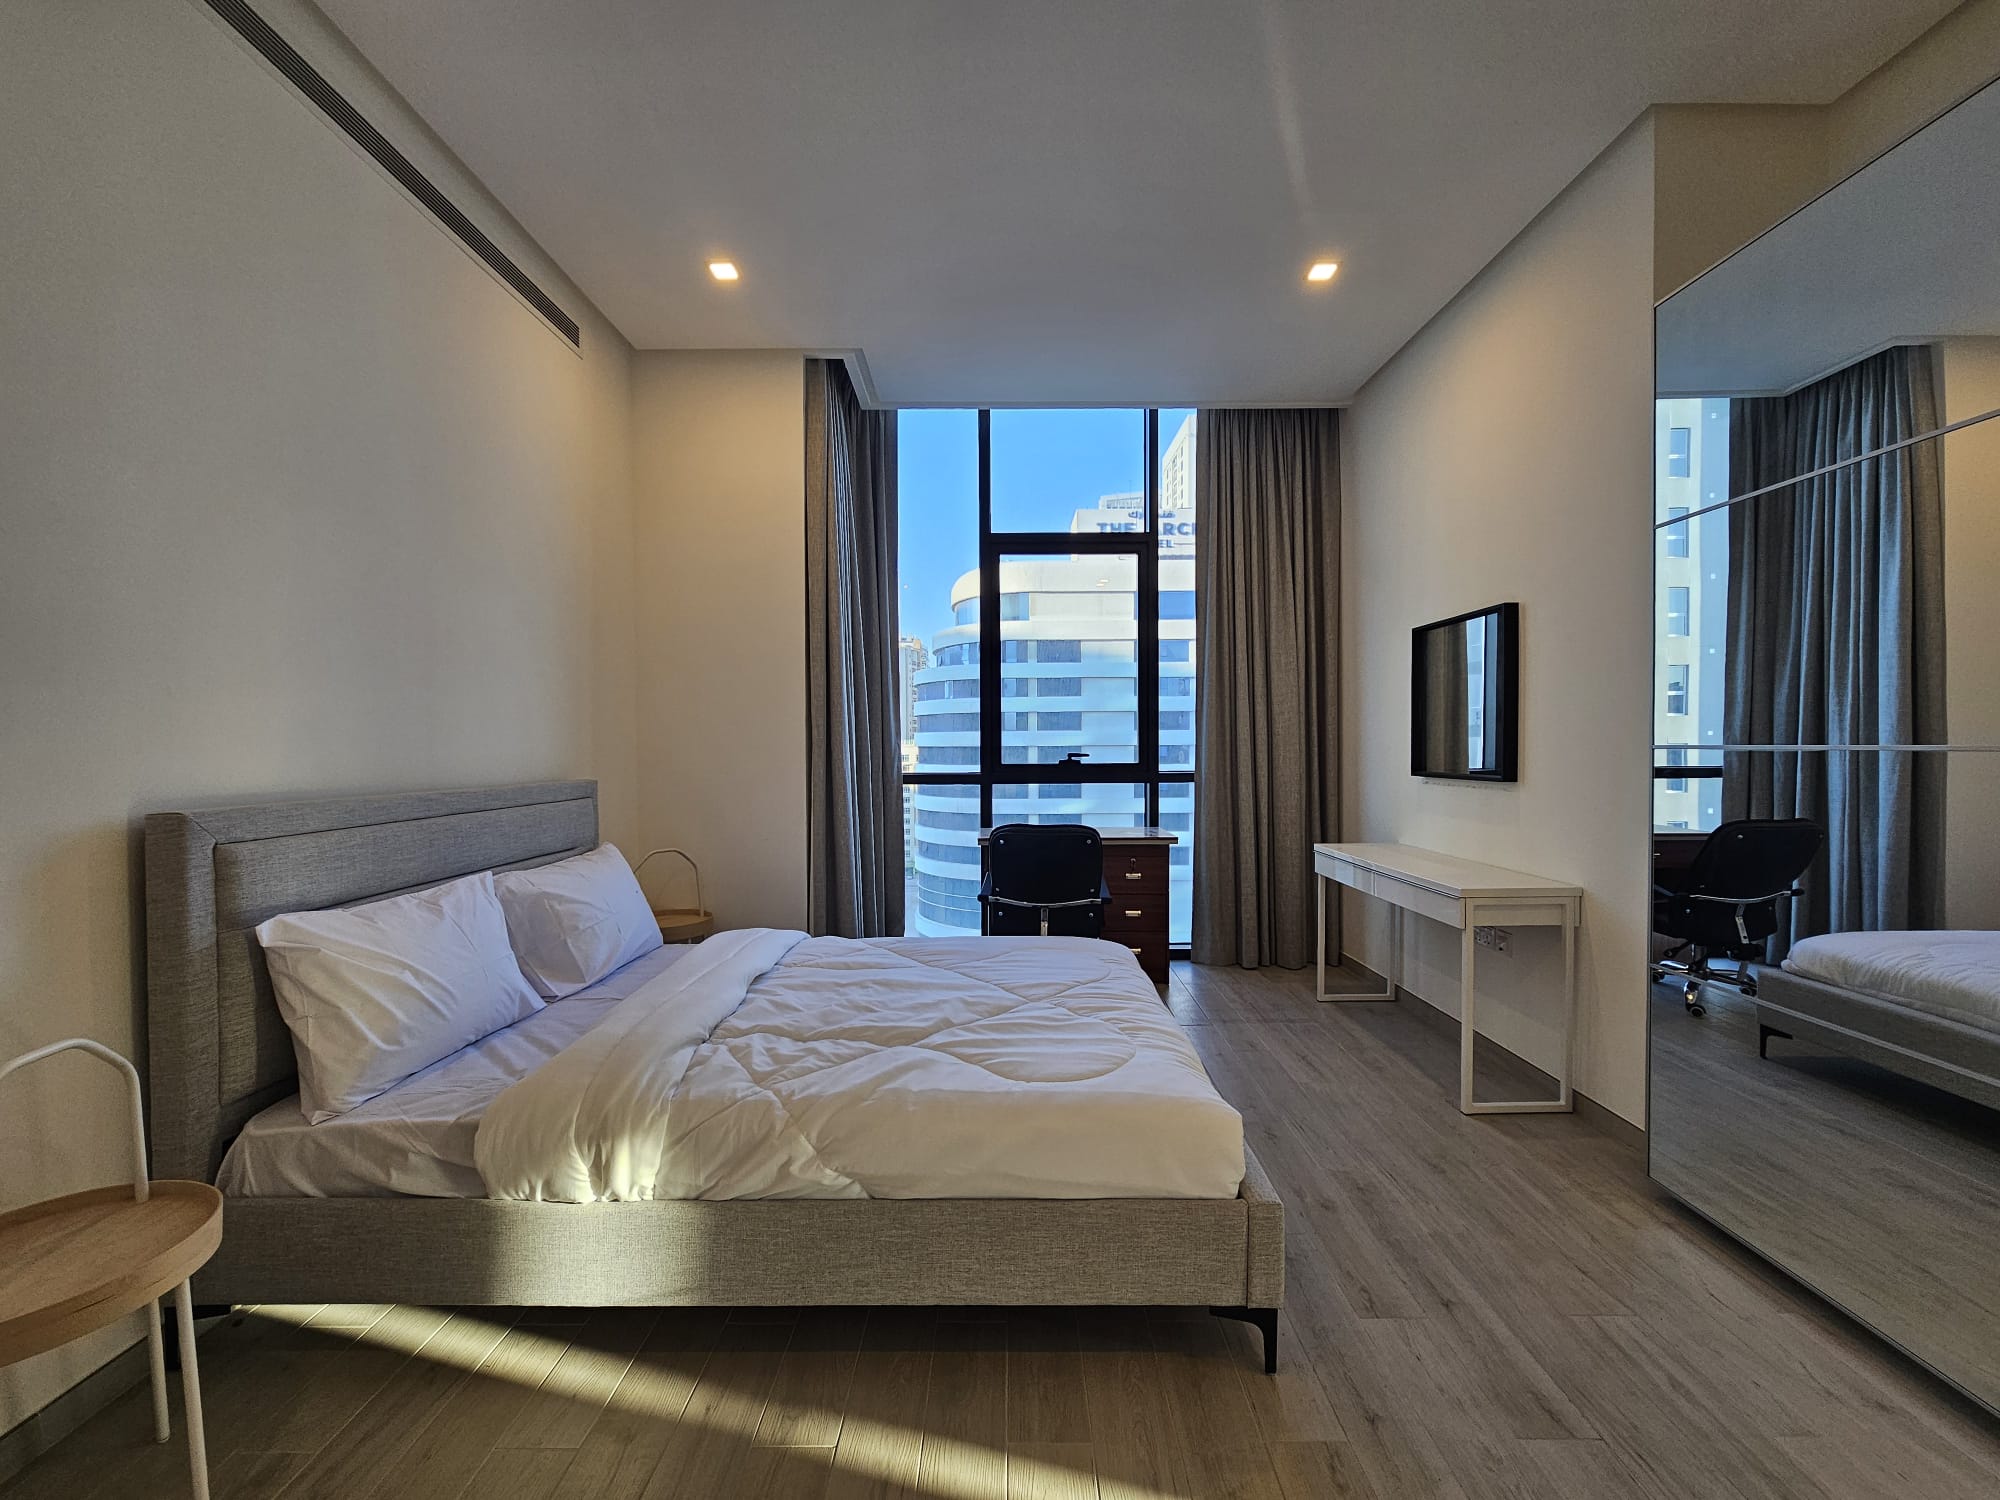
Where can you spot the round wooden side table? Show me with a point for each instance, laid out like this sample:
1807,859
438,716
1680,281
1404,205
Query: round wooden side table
681,924
79,1263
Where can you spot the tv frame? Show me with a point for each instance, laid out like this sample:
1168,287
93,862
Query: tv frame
1507,712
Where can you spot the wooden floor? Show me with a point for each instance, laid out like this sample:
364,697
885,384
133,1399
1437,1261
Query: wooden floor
1489,1307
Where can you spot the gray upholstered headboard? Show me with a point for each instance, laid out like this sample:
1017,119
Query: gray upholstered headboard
219,1050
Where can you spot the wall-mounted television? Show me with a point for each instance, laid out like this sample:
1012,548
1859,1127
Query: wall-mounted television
1465,678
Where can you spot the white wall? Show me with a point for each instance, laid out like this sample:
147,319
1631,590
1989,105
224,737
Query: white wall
719,471
1971,470
1506,454
295,497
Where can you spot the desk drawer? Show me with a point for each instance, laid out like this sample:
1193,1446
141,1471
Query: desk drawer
1342,871
1135,870
1135,915
1150,951
1422,900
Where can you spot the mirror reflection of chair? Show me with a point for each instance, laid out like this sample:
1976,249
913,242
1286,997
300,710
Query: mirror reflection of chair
1724,906
1045,881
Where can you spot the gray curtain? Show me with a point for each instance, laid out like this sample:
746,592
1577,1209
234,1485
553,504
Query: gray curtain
1836,635
854,812
1267,601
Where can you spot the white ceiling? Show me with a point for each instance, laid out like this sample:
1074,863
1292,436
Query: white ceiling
1907,249
1068,201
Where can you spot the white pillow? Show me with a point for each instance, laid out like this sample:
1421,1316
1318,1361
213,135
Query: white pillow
575,921
375,993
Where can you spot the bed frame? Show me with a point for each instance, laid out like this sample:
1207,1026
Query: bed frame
219,1052
1946,1054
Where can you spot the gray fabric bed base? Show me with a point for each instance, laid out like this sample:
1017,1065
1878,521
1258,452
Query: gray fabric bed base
1949,1055
219,1052
796,1252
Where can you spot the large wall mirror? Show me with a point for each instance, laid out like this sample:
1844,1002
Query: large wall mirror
1825,993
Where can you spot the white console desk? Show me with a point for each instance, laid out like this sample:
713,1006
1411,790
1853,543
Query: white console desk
1463,894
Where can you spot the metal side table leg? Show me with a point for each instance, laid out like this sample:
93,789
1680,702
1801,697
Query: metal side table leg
191,1391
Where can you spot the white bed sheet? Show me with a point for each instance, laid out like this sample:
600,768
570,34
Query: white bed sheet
1954,975
416,1139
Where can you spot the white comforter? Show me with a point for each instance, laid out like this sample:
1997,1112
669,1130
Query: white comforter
1955,975
771,1065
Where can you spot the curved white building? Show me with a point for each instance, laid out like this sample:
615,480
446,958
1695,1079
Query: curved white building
1069,682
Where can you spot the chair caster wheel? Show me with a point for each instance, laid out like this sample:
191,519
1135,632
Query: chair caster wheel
1696,1008
1691,998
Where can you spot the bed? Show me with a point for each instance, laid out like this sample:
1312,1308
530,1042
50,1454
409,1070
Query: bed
369,1223
1923,1004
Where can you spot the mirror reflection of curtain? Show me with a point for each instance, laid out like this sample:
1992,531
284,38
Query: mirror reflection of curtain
1836,636
1448,729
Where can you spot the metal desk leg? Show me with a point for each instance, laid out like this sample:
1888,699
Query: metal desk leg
1468,985
1565,1100
1319,967
1389,979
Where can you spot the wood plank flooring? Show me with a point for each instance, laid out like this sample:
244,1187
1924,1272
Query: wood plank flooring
1477,1307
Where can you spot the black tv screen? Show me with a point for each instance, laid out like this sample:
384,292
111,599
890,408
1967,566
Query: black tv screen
1465,677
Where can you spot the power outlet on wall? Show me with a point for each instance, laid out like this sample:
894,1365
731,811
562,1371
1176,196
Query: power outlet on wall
1491,937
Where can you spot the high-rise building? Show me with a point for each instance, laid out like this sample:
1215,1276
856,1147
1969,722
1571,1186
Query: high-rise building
1177,481
911,658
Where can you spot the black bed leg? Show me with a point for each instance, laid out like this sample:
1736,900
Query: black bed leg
1764,1035
1266,1319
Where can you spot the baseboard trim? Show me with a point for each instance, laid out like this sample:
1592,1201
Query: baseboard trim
22,1444
1631,1136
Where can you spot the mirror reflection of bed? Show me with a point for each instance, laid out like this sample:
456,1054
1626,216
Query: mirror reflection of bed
1825,1065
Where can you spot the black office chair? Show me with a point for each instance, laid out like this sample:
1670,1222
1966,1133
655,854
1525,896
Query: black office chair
1044,881
1724,905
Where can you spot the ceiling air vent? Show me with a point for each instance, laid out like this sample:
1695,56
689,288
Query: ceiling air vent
280,53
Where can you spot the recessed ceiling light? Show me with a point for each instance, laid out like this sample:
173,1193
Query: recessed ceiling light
723,270
1322,270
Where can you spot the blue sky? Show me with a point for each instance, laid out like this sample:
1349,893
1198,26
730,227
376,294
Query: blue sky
1046,465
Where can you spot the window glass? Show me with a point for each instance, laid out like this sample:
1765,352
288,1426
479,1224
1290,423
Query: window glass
1691,579
937,542
1675,538
940,884
1075,604
1177,817
1677,689
1068,639
1680,452
1069,470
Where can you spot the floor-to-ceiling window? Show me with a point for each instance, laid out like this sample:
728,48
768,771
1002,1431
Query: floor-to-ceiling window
1691,584
1047,637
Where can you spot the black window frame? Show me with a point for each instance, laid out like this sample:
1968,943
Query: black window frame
1144,546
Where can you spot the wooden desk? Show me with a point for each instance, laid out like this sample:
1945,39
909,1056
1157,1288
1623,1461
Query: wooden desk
1135,868
1462,894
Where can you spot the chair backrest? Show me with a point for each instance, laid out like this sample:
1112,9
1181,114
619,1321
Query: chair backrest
1045,862
1753,857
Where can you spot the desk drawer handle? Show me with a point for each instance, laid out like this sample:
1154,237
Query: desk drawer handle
1135,874
1140,951
1135,913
